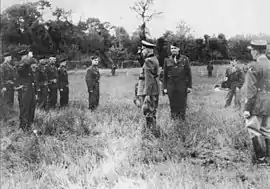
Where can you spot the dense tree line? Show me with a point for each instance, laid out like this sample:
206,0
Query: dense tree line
23,26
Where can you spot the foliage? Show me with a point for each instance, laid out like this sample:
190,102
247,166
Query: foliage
23,27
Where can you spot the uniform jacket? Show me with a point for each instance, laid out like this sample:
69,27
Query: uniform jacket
63,78
210,67
235,76
25,74
148,79
41,76
7,75
257,87
92,77
171,72
52,72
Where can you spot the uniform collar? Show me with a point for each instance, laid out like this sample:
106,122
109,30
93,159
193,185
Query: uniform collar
263,56
150,55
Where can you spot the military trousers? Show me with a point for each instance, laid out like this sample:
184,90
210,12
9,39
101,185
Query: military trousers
27,105
149,108
93,98
259,132
42,96
64,96
237,97
52,96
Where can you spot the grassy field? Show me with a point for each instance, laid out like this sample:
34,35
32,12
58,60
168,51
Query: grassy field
104,149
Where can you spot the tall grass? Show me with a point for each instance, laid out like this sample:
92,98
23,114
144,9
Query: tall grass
104,148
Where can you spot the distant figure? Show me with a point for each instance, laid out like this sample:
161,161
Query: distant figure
7,80
92,81
235,80
63,85
52,83
177,82
113,69
210,68
245,68
257,102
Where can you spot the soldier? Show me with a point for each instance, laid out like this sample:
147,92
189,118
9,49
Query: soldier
92,81
113,69
52,83
245,68
26,95
177,82
42,84
235,80
257,102
63,85
148,87
210,68
8,77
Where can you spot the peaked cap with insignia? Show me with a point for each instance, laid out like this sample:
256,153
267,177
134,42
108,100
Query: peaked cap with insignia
147,44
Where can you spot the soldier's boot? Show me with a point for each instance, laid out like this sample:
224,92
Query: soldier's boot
258,150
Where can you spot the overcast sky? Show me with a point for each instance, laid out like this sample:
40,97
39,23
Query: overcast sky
204,16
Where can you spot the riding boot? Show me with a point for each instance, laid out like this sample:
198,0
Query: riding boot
258,149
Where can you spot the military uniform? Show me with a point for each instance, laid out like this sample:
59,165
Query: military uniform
113,69
148,89
7,79
42,84
257,103
52,84
210,68
63,85
177,80
92,81
235,80
26,94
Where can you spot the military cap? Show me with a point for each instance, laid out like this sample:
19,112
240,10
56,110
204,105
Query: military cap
63,64
7,54
258,44
147,44
94,57
23,52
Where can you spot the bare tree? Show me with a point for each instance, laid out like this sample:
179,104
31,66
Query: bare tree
142,8
183,29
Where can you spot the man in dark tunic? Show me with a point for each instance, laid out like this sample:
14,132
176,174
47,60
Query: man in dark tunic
92,81
26,93
52,83
235,80
257,102
7,79
210,68
42,84
177,82
63,85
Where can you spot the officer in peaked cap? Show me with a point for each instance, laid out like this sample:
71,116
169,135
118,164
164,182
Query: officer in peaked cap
148,88
147,45
257,101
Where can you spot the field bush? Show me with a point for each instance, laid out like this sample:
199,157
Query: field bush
105,148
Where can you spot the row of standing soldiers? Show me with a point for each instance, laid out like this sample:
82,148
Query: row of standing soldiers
37,84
